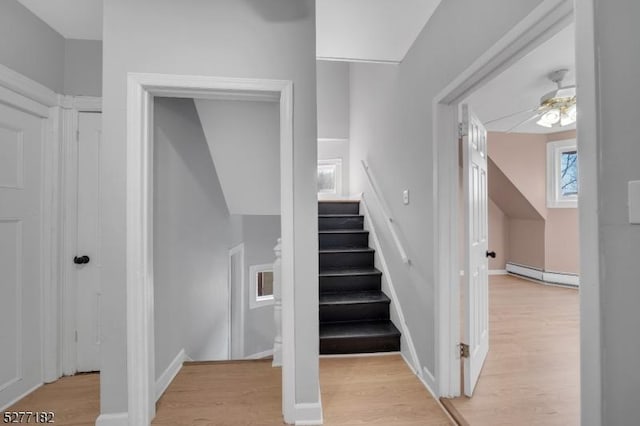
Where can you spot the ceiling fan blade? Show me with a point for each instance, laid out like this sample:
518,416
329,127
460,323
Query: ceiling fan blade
533,117
510,115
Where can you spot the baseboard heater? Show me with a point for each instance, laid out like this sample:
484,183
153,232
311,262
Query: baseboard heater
537,274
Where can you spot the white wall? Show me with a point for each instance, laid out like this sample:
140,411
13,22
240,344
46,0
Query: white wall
238,38
618,151
191,240
333,99
31,47
391,127
83,67
244,141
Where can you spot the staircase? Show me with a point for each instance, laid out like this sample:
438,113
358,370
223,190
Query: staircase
354,312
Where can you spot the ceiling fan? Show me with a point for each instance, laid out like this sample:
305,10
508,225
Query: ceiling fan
557,108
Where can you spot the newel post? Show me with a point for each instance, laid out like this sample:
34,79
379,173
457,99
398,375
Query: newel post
277,305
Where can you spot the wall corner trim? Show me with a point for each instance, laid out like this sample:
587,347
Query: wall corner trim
116,419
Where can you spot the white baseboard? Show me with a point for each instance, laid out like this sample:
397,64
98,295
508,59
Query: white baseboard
544,276
260,355
117,419
560,278
309,413
170,373
404,329
18,398
497,272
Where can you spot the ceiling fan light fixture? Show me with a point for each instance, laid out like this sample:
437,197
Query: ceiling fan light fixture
549,118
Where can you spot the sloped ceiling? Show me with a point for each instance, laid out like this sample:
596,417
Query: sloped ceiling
369,30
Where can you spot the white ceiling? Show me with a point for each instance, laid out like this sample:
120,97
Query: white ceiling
74,19
520,86
369,30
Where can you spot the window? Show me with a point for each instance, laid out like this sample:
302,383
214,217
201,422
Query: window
330,176
261,290
562,174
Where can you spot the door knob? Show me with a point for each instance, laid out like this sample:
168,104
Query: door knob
81,260
491,254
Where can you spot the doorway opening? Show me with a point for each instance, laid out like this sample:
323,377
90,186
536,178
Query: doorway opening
141,348
537,28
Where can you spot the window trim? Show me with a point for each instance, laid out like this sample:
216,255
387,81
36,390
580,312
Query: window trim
256,301
337,163
554,157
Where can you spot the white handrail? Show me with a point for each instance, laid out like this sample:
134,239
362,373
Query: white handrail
385,211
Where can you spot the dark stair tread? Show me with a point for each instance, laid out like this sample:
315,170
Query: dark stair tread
347,250
331,215
346,272
353,297
343,231
358,329
339,201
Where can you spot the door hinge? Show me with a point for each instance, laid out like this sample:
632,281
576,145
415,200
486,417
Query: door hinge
76,335
464,350
77,135
462,130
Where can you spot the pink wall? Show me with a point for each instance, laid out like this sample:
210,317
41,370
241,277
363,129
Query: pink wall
551,244
498,236
522,158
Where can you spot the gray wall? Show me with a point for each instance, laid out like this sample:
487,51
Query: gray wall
618,67
83,67
391,127
31,47
191,240
333,99
260,235
244,141
247,38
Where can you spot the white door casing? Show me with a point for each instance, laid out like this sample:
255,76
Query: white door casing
21,270
236,302
476,280
88,242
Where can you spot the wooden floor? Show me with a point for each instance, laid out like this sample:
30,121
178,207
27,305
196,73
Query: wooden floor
531,376
355,391
74,400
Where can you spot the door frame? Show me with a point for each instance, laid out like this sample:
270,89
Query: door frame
72,106
540,25
141,89
239,249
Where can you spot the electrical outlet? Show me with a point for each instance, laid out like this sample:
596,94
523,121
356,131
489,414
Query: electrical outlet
405,196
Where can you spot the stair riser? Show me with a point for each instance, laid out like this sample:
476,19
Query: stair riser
354,260
360,345
350,283
354,312
327,223
327,241
339,208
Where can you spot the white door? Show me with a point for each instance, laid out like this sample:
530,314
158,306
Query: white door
87,259
476,282
21,141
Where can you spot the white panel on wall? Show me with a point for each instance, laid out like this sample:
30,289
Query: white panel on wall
11,157
10,295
